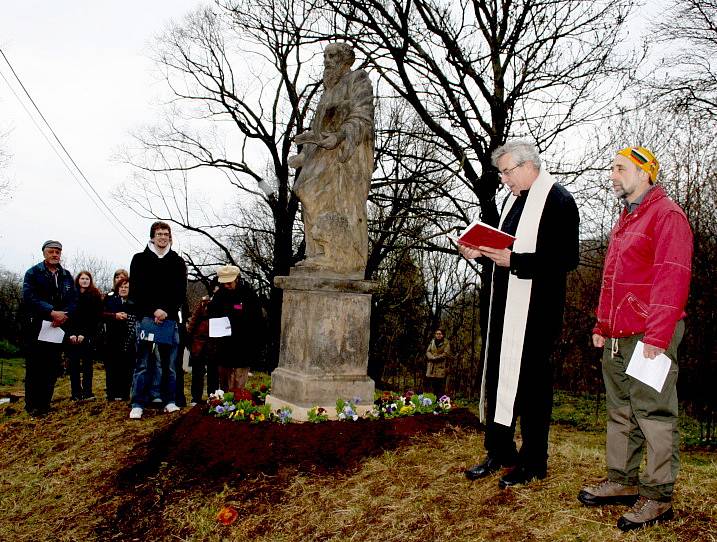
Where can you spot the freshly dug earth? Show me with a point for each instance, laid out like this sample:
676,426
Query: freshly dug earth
201,453
219,447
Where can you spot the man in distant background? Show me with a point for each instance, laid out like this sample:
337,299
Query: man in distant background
48,295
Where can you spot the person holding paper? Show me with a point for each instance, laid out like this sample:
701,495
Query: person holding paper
644,291
159,289
237,345
49,296
527,297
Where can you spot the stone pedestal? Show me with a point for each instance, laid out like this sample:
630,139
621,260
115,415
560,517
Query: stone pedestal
325,324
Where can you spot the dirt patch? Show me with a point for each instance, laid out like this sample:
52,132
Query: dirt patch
217,446
201,453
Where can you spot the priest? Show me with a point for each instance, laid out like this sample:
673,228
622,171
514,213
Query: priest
527,299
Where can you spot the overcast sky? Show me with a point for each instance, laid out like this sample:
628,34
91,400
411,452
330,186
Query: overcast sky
85,63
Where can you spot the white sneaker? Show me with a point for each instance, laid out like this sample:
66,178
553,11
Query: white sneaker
135,413
171,407
157,400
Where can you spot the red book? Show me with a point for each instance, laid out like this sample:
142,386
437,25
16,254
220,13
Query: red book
479,234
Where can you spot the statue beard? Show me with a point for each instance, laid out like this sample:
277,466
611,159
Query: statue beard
333,75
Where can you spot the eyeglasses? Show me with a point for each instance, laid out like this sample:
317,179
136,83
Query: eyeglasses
507,172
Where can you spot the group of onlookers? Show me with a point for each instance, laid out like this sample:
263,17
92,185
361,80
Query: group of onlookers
137,329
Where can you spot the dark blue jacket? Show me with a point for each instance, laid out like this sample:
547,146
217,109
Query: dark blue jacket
41,296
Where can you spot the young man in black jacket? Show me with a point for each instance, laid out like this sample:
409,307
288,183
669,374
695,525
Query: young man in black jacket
158,290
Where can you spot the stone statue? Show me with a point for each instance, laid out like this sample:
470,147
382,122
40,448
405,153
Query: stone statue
336,164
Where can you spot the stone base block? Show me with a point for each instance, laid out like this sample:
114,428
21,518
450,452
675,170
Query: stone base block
307,391
325,325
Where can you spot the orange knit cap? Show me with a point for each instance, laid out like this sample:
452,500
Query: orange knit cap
644,159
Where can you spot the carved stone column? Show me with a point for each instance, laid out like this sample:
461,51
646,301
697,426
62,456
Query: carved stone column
325,324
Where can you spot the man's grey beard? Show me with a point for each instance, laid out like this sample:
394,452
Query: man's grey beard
333,75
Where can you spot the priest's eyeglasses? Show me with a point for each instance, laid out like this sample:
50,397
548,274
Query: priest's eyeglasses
507,172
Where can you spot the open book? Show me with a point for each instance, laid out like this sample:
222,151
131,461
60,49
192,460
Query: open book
479,234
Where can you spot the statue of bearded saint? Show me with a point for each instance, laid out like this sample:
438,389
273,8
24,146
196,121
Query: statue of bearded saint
336,162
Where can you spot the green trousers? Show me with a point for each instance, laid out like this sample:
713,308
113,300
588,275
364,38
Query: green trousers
639,415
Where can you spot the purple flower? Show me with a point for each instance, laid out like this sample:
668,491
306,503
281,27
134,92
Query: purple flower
425,401
219,409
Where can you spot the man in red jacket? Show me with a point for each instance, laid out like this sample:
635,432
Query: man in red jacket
644,291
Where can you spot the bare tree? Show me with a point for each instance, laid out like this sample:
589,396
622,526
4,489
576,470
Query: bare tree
240,89
688,77
478,72
101,270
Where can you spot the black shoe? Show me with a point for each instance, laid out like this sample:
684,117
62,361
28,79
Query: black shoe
521,475
488,467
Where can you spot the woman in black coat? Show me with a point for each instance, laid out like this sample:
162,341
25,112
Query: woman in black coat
82,331
119,316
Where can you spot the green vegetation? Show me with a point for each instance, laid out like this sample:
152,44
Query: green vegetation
12,374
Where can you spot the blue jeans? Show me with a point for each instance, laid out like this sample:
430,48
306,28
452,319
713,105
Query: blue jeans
154,371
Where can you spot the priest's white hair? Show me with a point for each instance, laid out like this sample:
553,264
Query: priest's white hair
522,151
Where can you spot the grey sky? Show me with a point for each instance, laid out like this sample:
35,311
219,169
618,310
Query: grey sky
86,65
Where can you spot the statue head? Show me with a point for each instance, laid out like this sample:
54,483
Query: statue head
338,59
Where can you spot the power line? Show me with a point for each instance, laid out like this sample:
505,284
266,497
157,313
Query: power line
88,183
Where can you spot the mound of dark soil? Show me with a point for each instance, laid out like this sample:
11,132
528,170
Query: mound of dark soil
200,452
216,445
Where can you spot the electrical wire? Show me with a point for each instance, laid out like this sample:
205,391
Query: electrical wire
107,208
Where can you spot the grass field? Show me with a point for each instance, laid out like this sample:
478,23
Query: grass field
69,477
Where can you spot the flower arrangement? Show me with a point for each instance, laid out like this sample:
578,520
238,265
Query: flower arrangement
317,414
346,410
240,405
284,415
236,406
389,405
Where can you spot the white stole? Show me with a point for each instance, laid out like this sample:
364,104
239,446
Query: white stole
517,303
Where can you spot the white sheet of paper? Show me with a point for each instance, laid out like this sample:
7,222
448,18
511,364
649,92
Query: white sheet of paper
220,327
652,372
50,334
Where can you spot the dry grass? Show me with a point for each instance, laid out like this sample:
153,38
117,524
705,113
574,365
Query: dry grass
58,482
419,493
55,471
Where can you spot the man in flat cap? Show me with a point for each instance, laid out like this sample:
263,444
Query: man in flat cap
642,305
49,299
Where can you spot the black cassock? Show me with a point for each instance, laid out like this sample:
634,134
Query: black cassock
556,253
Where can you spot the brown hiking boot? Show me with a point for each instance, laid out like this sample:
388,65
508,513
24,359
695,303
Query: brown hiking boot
645,512
607,492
